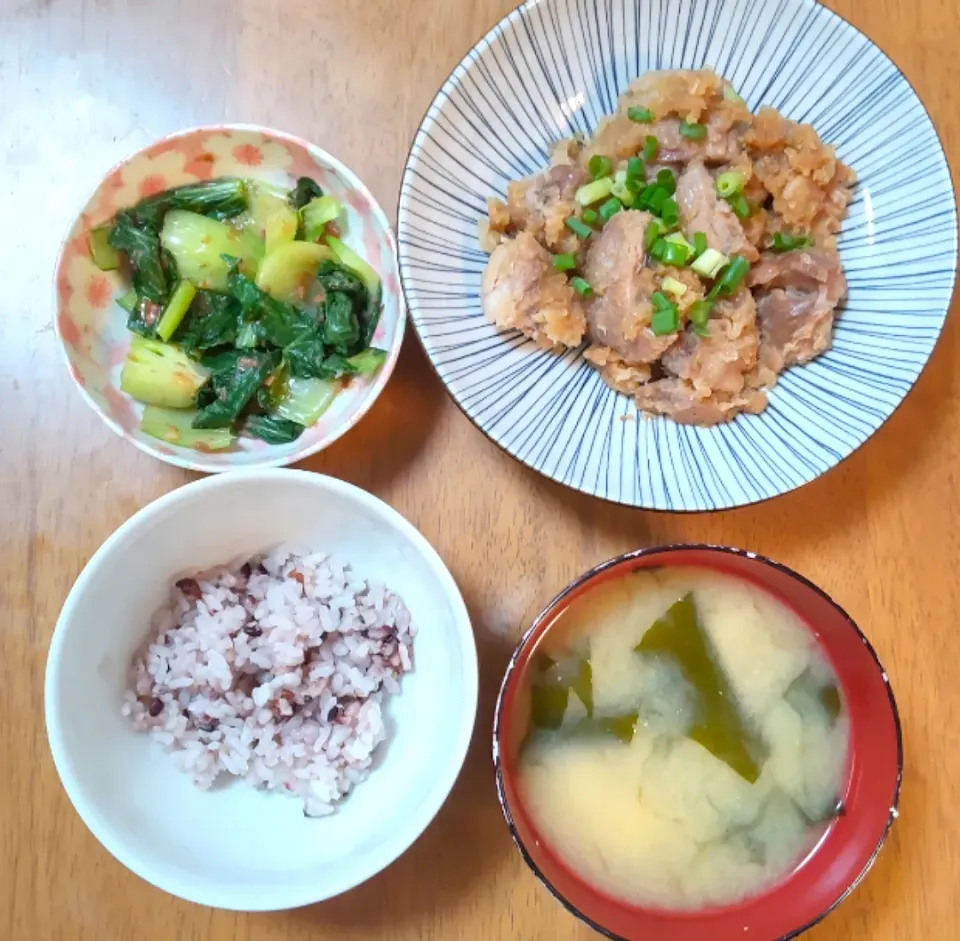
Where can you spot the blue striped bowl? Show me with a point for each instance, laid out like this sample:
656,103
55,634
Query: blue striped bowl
554,67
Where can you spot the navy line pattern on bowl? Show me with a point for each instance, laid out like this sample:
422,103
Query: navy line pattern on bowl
553,68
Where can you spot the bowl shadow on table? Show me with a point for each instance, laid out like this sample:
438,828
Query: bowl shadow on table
466,842
395,430
902,443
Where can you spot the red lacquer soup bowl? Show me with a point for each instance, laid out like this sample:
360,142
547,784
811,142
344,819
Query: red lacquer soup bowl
844,855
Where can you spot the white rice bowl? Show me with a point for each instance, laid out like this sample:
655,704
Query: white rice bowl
232,845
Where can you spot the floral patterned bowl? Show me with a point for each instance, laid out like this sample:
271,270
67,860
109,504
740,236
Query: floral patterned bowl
92,328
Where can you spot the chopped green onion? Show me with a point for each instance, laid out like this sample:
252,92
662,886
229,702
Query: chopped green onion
665,320
595,191
733,275
660,301
640,115
104,255
624,195
636,169
651,147
600,166
740,206
699,312
658,250
730,183
610,208
667,180
785,242
582,287
731,94
678,239
590,216
699,244
643,200
693,131
669,212
709,264
129,301
565,262
657,199
651,235
577,227
176,309
620,189
674,287
674,254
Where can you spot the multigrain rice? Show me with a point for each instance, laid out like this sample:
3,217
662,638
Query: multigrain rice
273,669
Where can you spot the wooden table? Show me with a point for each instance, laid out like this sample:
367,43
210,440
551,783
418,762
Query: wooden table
83,83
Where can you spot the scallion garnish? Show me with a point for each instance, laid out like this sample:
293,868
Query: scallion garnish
710,263
732,276
667,180
640,115
658,249
651,235
590,216
577,227
657,198
731,94
674,287
785,242
610,208
699,312
651,147
699,244
674,254
581,286
595,191
565,262
693,131
670,213
600,166
740,206
636,171
730,183
666,315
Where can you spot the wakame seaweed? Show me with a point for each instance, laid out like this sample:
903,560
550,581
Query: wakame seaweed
719,727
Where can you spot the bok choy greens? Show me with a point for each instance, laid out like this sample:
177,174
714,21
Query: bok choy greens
248,311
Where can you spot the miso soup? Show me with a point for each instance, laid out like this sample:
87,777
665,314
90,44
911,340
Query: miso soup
688,739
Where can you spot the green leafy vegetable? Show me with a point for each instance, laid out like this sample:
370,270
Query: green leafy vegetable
212,320
290,269
175,426
104,255
679,636
305,190
128,301
305,400
176,309
217,199
281,322
368,361
272,429
341,328
159,374
236,375
280,228
318,214
143,250
199,245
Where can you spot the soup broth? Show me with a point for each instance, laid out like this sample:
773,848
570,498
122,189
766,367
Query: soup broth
688,739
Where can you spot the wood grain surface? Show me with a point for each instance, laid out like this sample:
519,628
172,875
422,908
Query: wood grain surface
83,83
